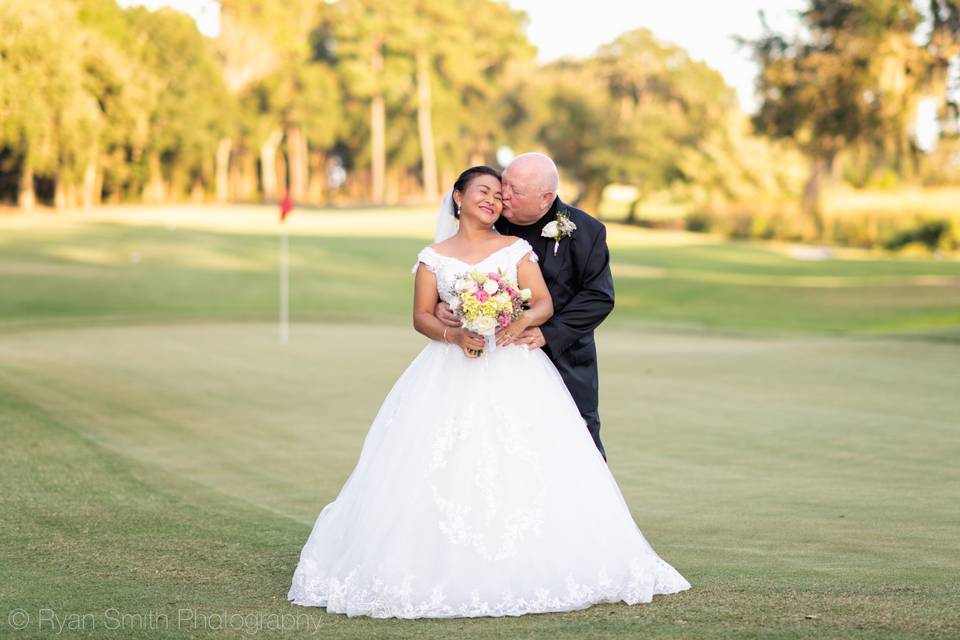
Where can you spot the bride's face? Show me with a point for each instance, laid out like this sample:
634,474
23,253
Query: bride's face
481,200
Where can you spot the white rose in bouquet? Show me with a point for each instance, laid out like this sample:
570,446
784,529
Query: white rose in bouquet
491,286
525,294
484,325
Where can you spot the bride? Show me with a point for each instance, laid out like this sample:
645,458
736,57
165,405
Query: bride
479,490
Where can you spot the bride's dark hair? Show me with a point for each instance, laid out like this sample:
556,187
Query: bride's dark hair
467,177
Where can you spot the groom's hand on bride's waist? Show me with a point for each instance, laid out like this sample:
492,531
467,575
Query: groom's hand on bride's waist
446,315
532,337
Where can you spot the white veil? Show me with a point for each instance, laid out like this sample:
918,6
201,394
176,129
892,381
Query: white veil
447,226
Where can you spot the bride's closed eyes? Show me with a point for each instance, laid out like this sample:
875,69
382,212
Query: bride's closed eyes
484,190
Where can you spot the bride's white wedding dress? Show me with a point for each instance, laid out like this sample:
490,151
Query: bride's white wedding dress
478,492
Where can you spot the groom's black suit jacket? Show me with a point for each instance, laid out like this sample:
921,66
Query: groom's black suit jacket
581,287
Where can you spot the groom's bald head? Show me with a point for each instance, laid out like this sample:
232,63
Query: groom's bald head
538,168
530,185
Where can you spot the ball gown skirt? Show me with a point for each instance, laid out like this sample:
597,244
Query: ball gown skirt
478,492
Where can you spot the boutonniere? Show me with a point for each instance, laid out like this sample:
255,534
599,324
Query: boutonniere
559,229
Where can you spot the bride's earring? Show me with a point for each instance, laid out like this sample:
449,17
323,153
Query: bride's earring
458,211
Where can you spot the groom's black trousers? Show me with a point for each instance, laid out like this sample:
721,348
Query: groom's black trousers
593,425
578,368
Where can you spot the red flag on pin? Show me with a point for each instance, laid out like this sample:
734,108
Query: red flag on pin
286,205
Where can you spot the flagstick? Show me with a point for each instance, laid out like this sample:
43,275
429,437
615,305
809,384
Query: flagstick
284,287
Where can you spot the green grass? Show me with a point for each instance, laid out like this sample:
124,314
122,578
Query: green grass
77,274
156,465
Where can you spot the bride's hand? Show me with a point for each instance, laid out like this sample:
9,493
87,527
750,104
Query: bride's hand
471,343
508,335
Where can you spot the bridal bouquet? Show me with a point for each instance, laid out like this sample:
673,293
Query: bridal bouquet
487,301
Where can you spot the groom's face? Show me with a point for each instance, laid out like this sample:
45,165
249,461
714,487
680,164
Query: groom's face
523,202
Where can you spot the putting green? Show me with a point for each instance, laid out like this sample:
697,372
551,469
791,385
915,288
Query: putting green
805,485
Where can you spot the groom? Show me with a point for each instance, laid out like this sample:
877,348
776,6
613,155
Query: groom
576,268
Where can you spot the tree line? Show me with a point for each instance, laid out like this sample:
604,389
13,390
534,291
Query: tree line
849,87
384,101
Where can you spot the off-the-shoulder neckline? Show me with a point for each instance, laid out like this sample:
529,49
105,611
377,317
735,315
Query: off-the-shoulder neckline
473,264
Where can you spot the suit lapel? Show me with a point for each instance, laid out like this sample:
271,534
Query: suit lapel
553,263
